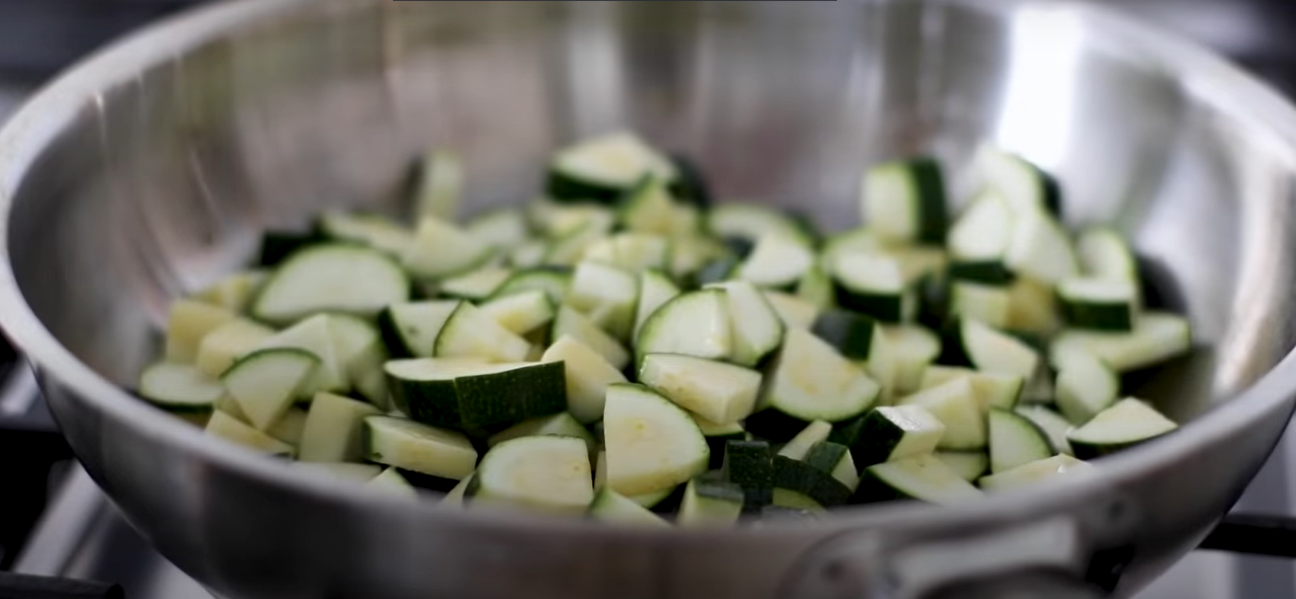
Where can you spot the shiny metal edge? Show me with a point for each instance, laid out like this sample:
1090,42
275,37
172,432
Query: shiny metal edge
51,109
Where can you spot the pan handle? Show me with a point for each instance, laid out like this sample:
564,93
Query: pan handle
1049,558
1255,534
1034,584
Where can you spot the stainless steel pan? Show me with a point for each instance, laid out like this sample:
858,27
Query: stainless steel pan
149,169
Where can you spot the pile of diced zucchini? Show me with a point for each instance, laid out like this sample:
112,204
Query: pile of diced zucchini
624,349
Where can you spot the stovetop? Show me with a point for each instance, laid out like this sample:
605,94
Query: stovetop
62,525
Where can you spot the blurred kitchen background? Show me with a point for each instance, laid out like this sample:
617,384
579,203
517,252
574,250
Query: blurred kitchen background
64,527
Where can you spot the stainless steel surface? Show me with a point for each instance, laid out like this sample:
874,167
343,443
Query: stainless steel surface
148,170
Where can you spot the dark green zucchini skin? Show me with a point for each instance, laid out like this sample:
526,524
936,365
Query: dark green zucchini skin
814,483
481,405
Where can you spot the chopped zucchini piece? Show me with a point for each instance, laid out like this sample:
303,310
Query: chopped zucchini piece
588,375
266,382
331,278
179,387
1126,423
476,397
1015,440
188,323
232,429
571,323
421,448
550,474
923,477
441,250
1034,472
651,443
716,391
334,428
610,506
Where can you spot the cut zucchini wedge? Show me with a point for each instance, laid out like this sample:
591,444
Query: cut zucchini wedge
571,323
1015,440
602,169
610,506
651,444
290,427
655,289
188,322
1156,337
751,222
334,429
922,477
990,304
1126,423
331,278
554,281
548,474
992,389
911,349
891,433
904,200
811,381
954,403
476,285
521,313
969,465
836,460
1098,304
1024,186
756,330
588,375
390,481
374,230
1035,472
851,333
314,335
1054,425
648,208
607,295
1041,248
471,333
503,229
266,382
476,397
982,234
792,310
816,287
749,465
716,391
441,250
227,427
410,329
179,387
439,185
232,292
800,445
873,284
1085,386
810,480
717,435
695,324
631,252
558,425
971,342
1105,254
710,502
358,346
421,448
777,261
